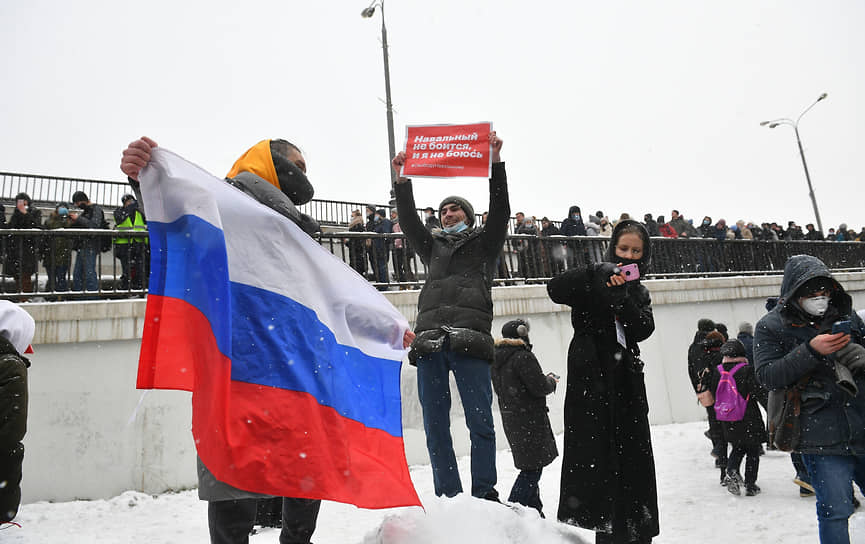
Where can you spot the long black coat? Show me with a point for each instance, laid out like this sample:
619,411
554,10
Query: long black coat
751,430
608,469
522,388
22,251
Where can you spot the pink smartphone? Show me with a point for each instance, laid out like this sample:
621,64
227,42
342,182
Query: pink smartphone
630,272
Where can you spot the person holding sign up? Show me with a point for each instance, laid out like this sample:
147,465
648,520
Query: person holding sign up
455,314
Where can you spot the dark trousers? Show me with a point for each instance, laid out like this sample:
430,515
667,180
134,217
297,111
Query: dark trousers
752,464
716,435
231,521
526,490
608,538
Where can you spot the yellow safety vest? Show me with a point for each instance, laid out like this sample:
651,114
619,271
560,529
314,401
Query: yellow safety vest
137,225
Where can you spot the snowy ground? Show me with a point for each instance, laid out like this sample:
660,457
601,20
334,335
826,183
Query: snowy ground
694,508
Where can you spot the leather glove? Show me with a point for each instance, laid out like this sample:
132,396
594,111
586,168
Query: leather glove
852,356
6,347
844,379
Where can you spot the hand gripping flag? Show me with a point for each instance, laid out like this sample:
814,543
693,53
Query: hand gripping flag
292,358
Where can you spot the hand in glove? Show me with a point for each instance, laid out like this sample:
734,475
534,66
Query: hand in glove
844,379
852,356
610,283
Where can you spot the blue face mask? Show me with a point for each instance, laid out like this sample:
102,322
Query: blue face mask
62,211
576,216
459,227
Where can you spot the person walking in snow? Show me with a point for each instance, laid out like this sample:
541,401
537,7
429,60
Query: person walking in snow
522,387
608,469
747,435
794,345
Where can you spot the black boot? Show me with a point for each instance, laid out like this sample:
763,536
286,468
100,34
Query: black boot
751,489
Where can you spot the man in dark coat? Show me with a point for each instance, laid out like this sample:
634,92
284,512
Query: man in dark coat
554,252
274,173
703,356
651,225
522,388
794,344
430,220
813,234
86,215
22,251
608,469
16,333
455,314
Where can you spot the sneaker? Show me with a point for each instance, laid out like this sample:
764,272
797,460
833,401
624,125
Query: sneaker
734,483
803,483
805,492
751,490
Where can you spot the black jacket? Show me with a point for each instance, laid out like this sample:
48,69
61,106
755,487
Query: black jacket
13,427
22,252
455,305
522,388
608,469
751,430
832,422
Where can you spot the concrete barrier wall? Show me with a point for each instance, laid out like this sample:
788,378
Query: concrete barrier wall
91,434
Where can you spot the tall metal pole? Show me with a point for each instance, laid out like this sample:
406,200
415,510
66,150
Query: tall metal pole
391,146
808,179
795,124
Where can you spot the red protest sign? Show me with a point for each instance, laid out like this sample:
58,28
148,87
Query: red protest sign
447,151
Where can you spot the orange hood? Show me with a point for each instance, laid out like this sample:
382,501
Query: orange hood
257,160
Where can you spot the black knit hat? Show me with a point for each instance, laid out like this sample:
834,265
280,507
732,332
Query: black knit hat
705,325
462,203
80,196
733,348
516,328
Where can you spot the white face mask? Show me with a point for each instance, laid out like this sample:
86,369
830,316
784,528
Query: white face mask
459,227
816,306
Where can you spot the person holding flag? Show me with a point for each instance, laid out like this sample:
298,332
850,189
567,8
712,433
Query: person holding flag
263,421
455,314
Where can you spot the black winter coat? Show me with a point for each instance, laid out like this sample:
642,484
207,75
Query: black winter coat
608,468
522,388
751,430
22,252
699,365
832,422
455,304
13,427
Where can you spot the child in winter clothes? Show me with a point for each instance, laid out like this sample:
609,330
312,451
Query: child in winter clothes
748,434
522,388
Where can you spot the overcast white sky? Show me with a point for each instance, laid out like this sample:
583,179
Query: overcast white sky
620,106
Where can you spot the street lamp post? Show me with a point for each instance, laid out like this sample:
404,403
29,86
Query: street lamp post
795,124
391,146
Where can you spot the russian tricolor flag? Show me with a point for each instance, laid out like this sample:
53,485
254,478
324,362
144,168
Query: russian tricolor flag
292,358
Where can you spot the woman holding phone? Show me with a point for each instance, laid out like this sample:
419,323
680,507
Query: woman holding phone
608,469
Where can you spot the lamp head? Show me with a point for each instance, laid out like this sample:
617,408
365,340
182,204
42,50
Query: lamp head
822,96
773,125
368,12
764,123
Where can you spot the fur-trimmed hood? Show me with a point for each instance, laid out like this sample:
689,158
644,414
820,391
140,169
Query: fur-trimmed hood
516,342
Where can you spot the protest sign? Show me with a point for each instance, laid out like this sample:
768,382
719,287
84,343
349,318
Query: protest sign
447,151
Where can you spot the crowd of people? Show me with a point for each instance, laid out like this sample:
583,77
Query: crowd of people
21,255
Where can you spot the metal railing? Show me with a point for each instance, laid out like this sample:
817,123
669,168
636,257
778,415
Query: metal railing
41,264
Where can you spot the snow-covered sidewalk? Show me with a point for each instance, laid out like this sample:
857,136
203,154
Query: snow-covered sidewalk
694,508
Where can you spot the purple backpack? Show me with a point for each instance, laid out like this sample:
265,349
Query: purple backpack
729,404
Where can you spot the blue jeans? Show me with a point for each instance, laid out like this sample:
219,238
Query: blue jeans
526,490
476,392
84,273
831,476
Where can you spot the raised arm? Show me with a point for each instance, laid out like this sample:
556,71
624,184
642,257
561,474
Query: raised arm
415,231
496,227
135,158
